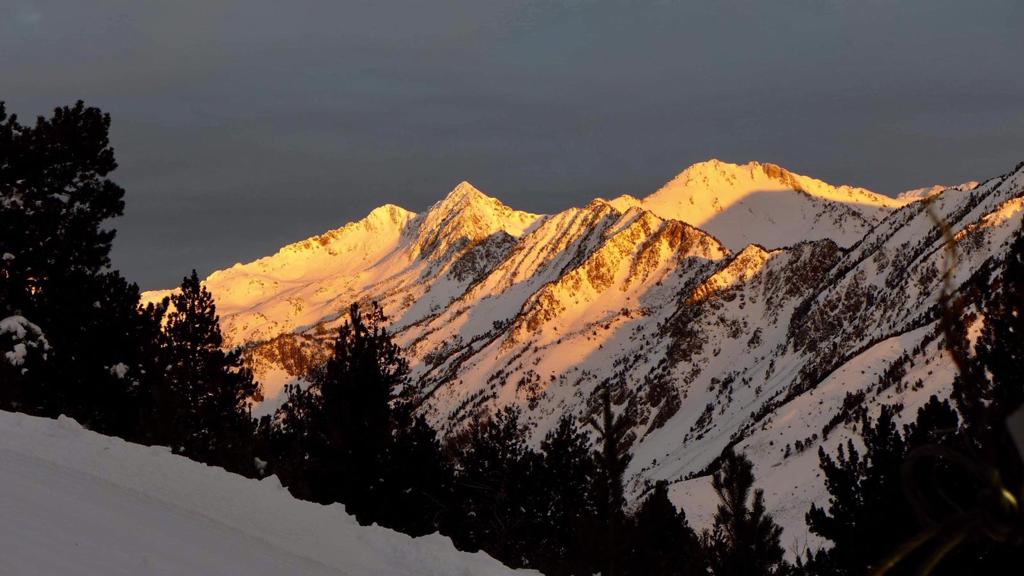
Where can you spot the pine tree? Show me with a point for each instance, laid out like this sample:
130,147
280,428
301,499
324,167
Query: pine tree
305,445
660,539
998,381
56,200
210,388
497,494
993,386
335,436
56,196
867,512
613,458
126,340
418,479
870,513
568,473
937,457
744,540
367,368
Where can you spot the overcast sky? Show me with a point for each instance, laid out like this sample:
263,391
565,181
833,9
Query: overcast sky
240,126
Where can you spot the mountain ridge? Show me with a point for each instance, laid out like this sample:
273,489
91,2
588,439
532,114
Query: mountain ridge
464,218
706,346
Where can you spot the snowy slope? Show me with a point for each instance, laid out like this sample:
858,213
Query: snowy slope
866,336
766,204
75,502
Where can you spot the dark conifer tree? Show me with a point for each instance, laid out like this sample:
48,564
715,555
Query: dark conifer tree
305,445
335,436
744,540
870,514
998,381
613,458
567,479
497,495
661,540
210,388
56,196
127,341
56,199
367,369
418,479
870,511
992,385
867,510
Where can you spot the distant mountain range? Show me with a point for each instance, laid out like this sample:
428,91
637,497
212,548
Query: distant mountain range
738,305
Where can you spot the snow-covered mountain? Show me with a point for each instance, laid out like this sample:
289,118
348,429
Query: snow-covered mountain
390,249
768,205
77,502
736,305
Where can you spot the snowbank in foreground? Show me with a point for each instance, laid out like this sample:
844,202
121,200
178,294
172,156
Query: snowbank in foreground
76,502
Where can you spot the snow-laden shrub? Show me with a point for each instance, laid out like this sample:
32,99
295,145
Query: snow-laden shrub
22,343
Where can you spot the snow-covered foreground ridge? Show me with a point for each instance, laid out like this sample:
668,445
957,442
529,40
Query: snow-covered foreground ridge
737,305
75,502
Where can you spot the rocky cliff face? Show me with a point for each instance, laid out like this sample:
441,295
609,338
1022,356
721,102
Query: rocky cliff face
738,305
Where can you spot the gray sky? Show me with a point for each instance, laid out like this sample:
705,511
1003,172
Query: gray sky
241,126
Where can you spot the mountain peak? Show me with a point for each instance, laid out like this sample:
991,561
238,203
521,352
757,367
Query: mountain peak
387,214
467,214
709,165
464,193
764,202
719,182
929,191
467,201
715,170
465,188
